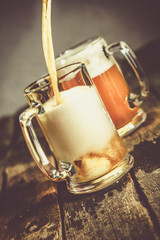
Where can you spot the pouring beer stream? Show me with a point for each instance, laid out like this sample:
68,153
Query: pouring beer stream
48,47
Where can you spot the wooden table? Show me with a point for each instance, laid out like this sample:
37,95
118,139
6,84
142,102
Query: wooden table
32,207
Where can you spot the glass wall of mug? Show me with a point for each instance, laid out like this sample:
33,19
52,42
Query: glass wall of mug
88,151
122,105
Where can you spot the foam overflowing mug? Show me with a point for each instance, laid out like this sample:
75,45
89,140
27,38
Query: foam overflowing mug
122,105
84,142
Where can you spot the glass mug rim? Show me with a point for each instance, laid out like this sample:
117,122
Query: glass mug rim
44,81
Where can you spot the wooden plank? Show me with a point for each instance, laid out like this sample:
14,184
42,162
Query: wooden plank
144,145
29,207
147,173
108,214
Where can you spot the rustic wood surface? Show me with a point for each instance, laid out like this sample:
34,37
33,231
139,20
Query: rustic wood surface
32,207
29,207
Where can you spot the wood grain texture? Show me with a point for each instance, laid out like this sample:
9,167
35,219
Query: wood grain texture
116,213
29,207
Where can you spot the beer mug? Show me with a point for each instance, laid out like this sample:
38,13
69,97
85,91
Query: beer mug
83,140
122,105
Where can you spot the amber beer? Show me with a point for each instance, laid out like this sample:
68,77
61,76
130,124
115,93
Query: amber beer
114,92
109,81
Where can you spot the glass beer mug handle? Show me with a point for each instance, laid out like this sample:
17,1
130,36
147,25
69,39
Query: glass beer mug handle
34,146
129,55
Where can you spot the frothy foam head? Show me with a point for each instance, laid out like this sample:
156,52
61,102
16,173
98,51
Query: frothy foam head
78,125
91,53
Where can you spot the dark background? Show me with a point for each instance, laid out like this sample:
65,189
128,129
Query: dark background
21,56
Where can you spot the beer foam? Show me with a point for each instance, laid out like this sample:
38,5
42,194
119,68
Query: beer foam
91,54
93,167
78,125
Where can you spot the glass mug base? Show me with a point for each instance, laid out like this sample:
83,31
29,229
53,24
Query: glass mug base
134,124
104,181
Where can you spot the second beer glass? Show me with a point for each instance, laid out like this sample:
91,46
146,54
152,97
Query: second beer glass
122,105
